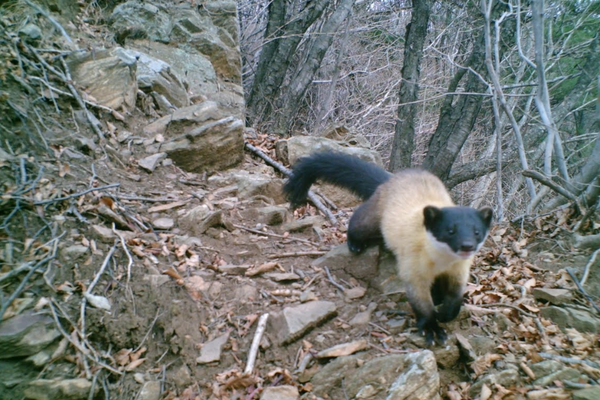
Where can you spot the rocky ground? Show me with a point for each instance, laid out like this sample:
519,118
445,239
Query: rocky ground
123,276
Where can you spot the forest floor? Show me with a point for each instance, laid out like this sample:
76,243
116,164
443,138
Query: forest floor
172,292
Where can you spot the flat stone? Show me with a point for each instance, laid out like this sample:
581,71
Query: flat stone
269,215
344,349
156,280
26,334
303,224
282,276
150,391
557,297
106,235
59,389
75,252
355,293
507,377
163,223
284,392
563,374
230,269
247,293
587,394
151,162
293,322
583,321
211,351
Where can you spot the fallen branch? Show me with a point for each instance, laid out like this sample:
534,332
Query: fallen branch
298,254
544,180
509,306
286,171
582,290
258,232
260,330
333,282
74,195
590,262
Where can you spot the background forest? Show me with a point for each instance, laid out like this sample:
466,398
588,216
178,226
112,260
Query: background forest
464,89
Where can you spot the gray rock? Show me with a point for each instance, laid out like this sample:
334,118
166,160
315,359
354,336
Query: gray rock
156,280
301,146
247,293
199,136
150,391
568,317
447,356
249,185
270,215
26,334
31,33
155,76
163,223
58,389
182,376
140,20
282,276
563,374
395,377
293,322
233,269
587,394
557,297
211,351
199,219
546,367
303,224
507,377
75,252
284,392
109,76
151,162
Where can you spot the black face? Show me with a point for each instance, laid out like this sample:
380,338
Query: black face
462,229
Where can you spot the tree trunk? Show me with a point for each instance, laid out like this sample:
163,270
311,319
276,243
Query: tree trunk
457,116
416,32
275,62
305,72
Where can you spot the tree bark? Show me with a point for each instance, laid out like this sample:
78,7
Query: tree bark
306,71
457,116
275,63
416,32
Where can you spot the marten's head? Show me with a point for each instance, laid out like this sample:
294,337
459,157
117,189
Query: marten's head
458,230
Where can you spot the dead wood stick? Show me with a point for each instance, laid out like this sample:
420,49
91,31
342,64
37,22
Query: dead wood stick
52,20
260,330
71,196
509,306
333,282
582,290
298,254
258,232
590,262
286,171
544,180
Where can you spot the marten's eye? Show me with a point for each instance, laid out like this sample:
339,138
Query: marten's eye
477,232
451,231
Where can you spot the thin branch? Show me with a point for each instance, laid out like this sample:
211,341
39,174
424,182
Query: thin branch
260,330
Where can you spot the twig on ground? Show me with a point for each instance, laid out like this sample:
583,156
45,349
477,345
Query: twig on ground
21,286
333,282
509,306
586,270
148,332
286,171
260,330
71,196
298,254
258,232
124,246
102,268
582,290
82,350
540,327
52,20
544,180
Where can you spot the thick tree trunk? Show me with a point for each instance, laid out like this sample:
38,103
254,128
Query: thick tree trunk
275,63
416,31
305,72
457,116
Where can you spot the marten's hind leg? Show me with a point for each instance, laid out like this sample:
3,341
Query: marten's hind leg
364,228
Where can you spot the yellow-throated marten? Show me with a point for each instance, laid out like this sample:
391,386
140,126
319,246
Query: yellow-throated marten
434,240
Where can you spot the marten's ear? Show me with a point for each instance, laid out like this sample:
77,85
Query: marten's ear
432,215
486,214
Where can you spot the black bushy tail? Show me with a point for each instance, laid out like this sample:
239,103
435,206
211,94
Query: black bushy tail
340,169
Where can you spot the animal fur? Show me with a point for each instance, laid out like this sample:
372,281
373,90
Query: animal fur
434,240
